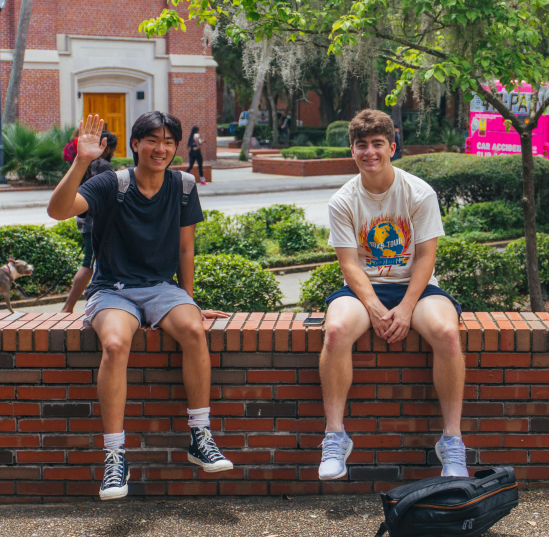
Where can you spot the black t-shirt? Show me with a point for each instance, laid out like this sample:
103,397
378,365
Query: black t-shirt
142,248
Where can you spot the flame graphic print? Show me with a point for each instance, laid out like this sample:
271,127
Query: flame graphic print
386,240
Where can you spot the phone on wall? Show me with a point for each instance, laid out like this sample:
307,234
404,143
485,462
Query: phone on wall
313,321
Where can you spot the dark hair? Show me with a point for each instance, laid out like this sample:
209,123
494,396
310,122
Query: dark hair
190,142
150,121
368,122
112,139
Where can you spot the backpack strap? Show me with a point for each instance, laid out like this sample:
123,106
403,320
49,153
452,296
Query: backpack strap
382,530
189,183
123,177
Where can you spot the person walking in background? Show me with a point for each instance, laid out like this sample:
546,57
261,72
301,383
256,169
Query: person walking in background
195,154
398,150
85,272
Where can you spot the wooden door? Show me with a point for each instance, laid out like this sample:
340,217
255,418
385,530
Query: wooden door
111,107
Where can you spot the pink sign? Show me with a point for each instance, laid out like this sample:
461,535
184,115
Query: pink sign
488,135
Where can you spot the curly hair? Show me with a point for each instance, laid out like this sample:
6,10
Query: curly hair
367,122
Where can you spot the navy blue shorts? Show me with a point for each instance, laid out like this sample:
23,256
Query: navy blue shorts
391,294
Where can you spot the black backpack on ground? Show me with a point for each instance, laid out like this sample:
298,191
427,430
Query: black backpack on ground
448,506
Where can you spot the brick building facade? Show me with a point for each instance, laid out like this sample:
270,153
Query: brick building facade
78,52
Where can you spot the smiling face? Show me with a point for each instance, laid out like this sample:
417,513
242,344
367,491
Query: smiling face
372,153
156,149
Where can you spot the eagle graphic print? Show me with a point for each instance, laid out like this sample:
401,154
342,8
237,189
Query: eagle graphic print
386,240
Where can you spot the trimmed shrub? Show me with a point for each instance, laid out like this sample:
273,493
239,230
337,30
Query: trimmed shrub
242,234
314,135
489,216
68,230
478,276
276,213
232,283
50,255
322,282
127,162
517,249
294,235
301,153
310,152
475,179
297,259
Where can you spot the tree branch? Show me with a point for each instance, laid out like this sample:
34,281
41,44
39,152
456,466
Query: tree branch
402,63
532,124
406,43
501,108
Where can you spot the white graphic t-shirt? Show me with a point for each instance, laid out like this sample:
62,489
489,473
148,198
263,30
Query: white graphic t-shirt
385,238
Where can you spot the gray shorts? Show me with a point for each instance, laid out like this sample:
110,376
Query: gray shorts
148,304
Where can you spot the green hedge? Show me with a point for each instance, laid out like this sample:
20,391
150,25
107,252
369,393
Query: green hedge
276,213
310,152
314,135
233,283
473,179
294,235
68,230
517,249
297,259
46,251
476,275
337,134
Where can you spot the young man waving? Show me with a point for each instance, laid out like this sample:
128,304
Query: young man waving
141,239
384,226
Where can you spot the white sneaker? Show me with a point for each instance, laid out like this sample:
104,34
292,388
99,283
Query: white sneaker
335,452
451,453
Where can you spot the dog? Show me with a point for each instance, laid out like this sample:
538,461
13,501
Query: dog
15,268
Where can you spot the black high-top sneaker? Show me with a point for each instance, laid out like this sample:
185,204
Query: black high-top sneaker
117,473
204,452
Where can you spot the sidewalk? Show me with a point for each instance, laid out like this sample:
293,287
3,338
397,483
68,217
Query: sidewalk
254,516
227,182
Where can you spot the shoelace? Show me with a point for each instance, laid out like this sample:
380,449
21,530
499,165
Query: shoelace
207,445
331,448
114,467
453,454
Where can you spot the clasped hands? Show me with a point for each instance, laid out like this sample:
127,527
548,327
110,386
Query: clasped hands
392,325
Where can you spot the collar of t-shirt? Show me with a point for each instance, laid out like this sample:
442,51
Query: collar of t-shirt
366,194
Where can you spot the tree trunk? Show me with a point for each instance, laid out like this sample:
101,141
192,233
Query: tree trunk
373,87
248,133
272,106
355,98
12,95
529,208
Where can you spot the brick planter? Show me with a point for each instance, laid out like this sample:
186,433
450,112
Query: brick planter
304,168
206,168
267,412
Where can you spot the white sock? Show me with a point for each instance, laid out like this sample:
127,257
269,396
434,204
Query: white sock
114,440
199,417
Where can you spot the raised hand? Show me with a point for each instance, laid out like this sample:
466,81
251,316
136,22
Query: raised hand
90,145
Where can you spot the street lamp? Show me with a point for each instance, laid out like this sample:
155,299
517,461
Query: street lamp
2,178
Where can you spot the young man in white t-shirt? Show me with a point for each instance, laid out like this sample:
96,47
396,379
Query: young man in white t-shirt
384,226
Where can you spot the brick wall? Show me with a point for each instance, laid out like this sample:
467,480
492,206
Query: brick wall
304,168
267,412
192,99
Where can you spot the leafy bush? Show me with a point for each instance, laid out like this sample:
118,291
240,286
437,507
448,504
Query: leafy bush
489,216
517,249
311,152
294,235
337,134
314,135
322,282
68,230
33,156
475,179
478,276
242,234
261,132
297,259
50,255
232,283
424,131
276,213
